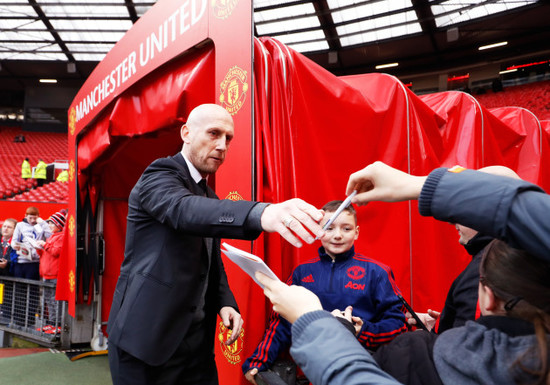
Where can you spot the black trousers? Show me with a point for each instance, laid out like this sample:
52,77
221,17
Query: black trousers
193,363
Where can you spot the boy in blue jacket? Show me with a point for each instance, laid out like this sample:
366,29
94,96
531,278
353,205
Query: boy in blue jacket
341,278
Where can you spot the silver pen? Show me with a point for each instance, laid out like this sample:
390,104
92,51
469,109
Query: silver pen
340,208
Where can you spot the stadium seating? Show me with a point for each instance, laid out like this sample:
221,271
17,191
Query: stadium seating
534,96
38,145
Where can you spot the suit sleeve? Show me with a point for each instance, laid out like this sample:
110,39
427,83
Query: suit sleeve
390,319
512,210
166,195
329,354
225,295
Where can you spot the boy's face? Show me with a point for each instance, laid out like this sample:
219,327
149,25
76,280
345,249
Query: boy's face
32,219
53,227
341,234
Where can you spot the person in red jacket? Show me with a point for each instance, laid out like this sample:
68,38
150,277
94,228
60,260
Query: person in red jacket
49,264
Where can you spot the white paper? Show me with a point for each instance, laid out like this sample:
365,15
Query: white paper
24,251
32,242
248,262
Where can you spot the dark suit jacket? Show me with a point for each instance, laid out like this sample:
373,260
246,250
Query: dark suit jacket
158,289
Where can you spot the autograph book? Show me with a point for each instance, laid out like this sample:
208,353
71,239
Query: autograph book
248,262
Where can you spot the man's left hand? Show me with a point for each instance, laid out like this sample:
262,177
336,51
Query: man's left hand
232,320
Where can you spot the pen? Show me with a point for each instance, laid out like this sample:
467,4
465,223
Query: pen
340,208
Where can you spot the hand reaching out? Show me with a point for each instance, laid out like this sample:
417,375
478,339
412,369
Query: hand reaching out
292,219
380,182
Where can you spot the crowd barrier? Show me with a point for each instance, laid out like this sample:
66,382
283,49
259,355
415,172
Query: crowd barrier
25,311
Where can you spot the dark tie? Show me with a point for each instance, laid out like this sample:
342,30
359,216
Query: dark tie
202,185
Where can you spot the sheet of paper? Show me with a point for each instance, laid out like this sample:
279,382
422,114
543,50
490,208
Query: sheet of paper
248,262
24,251
32,242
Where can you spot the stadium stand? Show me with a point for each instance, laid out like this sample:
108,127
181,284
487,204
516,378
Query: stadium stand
533,96
37,145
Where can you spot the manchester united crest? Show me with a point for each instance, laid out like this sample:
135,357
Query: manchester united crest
233,90
356,272
231,352
223,8
234,196
72,281
72,121
71,170
71,226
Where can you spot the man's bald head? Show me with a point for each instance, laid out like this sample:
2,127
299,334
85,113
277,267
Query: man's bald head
206,136
204,113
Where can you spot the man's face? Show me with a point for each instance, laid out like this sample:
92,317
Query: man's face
7,229
465,233
341,235
207,139
32,219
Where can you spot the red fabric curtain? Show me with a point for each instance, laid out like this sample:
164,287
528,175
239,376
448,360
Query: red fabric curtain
316,129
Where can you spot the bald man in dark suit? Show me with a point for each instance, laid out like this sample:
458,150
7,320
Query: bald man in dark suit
172,282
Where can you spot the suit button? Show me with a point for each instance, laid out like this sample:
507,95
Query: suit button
226,219
193,309
203,277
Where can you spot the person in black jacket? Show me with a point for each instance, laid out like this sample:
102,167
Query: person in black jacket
6,250
172,281
461,304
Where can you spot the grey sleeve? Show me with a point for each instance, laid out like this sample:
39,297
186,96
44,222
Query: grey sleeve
512,210
329,354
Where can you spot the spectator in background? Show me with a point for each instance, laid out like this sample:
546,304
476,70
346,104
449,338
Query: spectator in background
31,229
63,176
9,255
19,138
49,265
26,172
40,172
7,260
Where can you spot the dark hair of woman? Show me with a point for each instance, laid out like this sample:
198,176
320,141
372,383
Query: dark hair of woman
522,282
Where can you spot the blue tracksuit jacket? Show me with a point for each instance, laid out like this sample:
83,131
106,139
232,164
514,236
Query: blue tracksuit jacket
352,279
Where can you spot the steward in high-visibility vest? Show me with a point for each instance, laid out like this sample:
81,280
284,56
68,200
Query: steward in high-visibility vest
63,176
40,172
26,169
